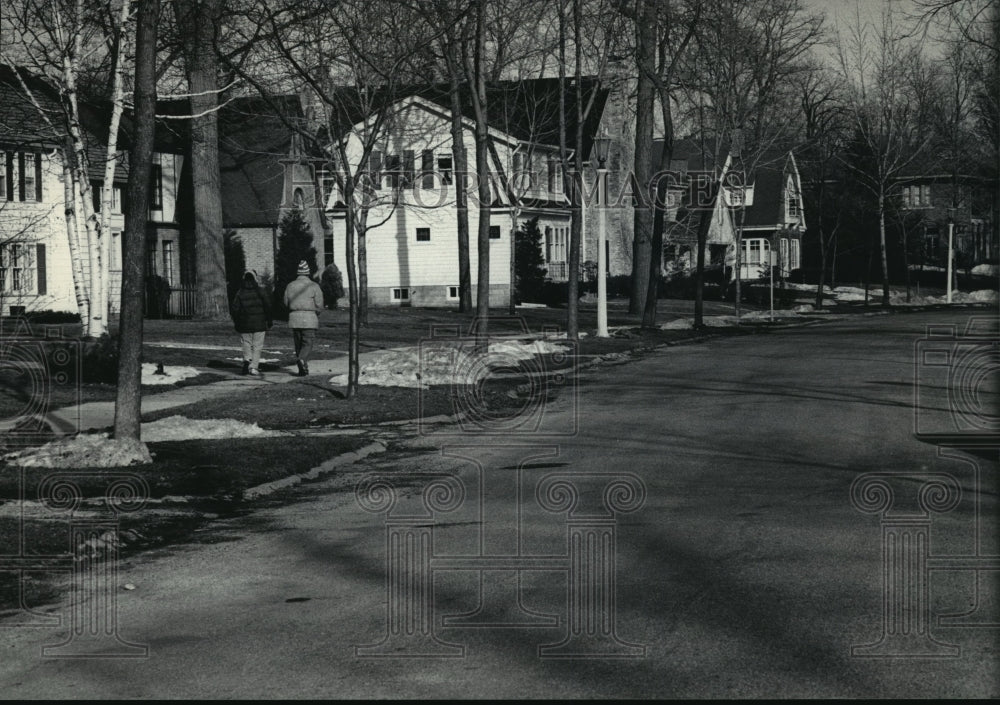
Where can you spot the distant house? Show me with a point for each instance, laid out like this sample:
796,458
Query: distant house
412,252
929,199
263,172
762,200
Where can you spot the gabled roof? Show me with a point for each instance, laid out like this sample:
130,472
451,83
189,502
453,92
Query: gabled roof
40,124
768,175
527,110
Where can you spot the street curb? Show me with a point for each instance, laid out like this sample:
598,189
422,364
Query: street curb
322,469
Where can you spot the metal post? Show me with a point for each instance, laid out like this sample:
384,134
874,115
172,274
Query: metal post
602,264
770,269
951,255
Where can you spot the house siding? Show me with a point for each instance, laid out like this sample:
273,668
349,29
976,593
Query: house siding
41,223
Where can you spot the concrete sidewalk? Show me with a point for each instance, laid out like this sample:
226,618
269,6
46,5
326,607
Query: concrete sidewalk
100,415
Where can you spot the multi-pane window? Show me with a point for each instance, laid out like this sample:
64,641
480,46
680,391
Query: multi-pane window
21,176
394,170
155,187
792,199
168,261
28,176
795,263
925,195
445,169
783,252
754,249
400,294
15,267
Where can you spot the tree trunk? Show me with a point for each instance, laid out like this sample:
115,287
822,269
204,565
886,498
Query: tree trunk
86,220
642,166
73,236
483,172
699,276
460,167
202,18
362,227
128,400
107,196
353,327
576,222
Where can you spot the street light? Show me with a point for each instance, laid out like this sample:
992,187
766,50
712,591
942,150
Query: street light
601,147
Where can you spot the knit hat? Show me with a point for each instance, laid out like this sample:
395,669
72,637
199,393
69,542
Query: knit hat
303,267
251,273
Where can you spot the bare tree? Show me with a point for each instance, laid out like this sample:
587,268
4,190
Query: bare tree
879,62
128,398
199,22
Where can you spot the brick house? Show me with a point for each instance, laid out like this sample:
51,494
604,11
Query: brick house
928,199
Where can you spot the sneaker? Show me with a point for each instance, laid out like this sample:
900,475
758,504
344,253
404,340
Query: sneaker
253,372
246,368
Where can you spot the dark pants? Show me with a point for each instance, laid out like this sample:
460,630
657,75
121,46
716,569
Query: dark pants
303,338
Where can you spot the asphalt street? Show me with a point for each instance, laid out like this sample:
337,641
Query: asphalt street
711,520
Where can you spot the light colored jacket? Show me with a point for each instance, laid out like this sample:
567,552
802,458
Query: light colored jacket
304,300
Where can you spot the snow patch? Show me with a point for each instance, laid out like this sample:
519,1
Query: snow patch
171,375
449,362
986,270
87,450
180,428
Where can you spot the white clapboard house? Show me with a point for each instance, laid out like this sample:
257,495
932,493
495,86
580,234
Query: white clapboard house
412,218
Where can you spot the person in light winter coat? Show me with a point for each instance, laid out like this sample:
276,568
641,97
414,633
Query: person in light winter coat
251,311
304,300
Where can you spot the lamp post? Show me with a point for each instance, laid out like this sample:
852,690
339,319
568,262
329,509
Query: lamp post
601,147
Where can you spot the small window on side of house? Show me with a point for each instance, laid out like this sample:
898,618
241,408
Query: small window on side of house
452,293
400,294
155,187
494,232
423,234
444,167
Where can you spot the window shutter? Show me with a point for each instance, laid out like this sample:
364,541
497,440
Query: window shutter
552,176
427,167
20,176
408,169
38,177
40,264
376,168
10,176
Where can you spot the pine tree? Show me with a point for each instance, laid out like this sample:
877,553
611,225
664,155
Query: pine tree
295,243
529,262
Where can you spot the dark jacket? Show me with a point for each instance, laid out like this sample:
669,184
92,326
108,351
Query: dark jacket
251,309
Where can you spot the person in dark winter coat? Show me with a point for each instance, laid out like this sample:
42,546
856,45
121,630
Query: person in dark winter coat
251,310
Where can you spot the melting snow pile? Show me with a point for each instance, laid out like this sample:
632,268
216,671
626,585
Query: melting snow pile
449,362
179,428
957,297
88,450
172,374
710,321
